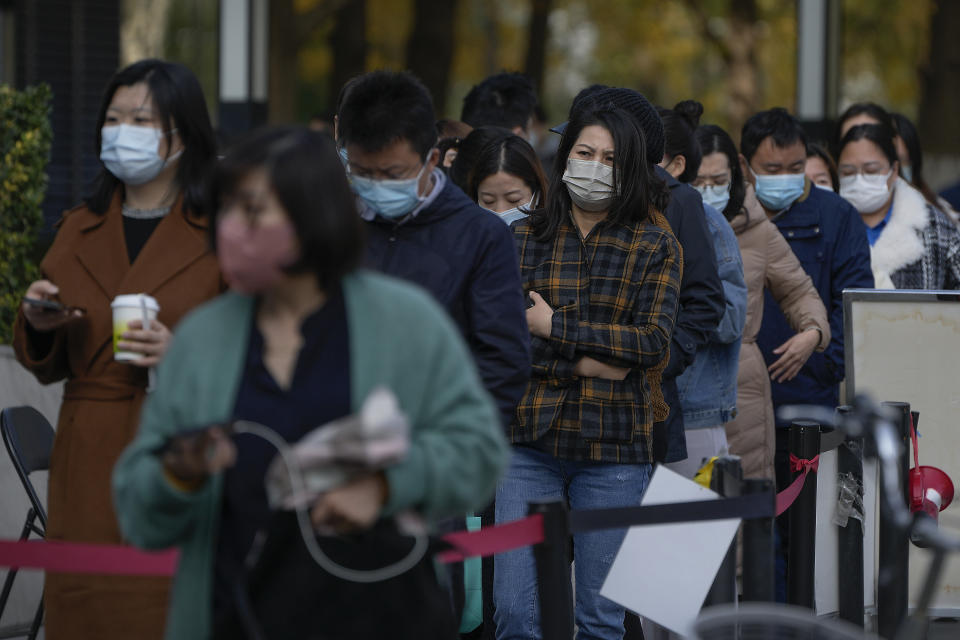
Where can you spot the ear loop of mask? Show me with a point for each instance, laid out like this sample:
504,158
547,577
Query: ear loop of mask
417,553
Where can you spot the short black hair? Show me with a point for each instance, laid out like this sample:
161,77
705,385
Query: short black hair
306,175
639,191
679,125
819,150
879,134
382,107
713,139
776,123
180,104
503,100
869,109
488,150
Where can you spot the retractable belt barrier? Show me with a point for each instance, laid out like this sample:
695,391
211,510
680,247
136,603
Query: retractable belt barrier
73,557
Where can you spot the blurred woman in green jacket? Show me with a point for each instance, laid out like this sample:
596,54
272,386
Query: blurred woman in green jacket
301,340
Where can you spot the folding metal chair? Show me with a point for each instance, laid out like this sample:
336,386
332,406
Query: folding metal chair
28,438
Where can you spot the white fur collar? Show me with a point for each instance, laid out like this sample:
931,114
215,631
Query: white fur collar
901,242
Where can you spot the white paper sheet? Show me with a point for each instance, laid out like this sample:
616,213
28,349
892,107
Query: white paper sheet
663,572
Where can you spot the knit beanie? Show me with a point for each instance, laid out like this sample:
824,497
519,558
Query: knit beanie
642,111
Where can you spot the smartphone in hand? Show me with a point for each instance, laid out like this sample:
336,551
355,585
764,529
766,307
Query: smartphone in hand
46,305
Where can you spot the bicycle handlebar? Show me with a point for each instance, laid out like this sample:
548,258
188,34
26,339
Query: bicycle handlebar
876,423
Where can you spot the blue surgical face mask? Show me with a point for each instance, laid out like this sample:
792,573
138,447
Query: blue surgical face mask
517,213
131,152
778,192
343,157
389,198
715,195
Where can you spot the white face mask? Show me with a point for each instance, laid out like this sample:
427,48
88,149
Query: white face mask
590,184
131,152
866,193
517,213
715,195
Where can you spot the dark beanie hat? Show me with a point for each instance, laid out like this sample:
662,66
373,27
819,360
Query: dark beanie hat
637,106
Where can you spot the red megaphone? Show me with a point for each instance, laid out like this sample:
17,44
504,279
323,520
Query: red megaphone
931,490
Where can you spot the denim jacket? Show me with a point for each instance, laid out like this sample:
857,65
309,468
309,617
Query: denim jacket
708,387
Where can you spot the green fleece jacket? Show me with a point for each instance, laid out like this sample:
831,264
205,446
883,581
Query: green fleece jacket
399,338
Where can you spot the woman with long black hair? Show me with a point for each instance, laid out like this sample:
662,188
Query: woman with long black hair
141,230
501,172
602,271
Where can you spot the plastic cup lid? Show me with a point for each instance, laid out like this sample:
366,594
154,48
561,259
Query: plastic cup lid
134,300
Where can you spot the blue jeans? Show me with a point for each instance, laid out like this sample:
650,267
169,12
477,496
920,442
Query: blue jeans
534,475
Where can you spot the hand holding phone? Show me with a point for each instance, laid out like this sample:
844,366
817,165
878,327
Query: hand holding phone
42,312
47,305
194,454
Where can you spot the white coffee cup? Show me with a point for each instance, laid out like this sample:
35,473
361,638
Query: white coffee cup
127,308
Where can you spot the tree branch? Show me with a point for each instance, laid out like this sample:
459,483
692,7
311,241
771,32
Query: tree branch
695,7
313,19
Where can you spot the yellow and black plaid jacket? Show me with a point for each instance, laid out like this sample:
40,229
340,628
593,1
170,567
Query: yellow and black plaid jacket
614,295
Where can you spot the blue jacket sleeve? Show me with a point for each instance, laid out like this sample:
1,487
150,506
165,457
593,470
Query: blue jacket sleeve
851,270
701,293
730,265
499,338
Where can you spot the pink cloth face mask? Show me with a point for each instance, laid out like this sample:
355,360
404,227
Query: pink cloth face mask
253,258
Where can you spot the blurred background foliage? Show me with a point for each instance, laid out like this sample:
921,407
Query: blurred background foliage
25,138
735,56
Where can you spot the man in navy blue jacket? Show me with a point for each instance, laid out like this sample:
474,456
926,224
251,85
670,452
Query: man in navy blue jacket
423,228
828,237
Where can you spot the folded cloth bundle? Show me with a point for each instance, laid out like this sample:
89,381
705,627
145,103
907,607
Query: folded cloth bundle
333,454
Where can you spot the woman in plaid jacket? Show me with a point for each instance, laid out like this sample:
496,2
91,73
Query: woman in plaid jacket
602,271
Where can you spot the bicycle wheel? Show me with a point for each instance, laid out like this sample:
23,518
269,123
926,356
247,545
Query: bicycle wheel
771,621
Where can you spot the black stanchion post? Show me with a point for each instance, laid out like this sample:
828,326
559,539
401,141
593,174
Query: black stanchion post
726,480
552,557
758,560
850,536
894,545
805,445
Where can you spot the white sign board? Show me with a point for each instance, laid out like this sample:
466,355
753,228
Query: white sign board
664,571
905,346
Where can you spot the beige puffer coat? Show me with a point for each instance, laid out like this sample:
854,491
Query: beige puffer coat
768,262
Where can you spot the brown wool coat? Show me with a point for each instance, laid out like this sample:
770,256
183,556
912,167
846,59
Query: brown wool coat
768,262
88,262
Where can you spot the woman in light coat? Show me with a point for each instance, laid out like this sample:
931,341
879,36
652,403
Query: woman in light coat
768,263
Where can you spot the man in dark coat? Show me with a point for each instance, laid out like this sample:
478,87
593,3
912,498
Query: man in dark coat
423,228
830,240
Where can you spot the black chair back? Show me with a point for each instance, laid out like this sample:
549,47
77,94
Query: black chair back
28,437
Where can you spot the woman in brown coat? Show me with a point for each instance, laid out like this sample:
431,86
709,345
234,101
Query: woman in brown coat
141,231
768,262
